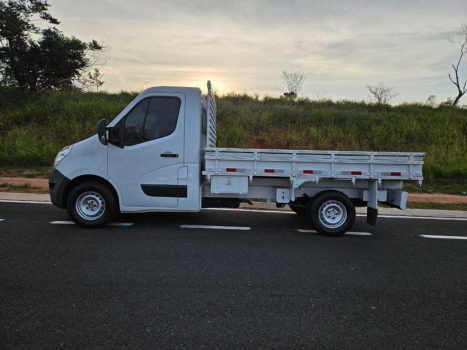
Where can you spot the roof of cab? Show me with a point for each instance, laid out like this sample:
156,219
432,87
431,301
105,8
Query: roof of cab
172,89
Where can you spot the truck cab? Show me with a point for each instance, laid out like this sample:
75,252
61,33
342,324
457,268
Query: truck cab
143,160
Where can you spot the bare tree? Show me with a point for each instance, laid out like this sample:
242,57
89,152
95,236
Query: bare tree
96,79
461,39
293,82
381,93
431,101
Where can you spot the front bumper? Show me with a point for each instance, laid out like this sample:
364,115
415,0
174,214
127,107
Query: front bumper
57,185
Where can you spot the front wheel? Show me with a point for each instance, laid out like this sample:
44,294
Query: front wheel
332,213
92,204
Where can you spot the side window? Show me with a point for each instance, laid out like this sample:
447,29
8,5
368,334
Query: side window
134,123
162,117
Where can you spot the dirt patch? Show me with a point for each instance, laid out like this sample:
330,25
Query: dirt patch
40,173
436,198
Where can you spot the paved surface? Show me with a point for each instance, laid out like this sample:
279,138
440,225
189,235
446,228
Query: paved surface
27,197
155,285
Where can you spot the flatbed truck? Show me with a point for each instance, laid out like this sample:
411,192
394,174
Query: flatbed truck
160,154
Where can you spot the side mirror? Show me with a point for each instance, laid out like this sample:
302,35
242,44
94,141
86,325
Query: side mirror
102,131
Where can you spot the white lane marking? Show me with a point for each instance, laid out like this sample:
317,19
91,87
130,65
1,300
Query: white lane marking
347,233
444,237
2,219
415,217
24,202
358,233
217,227
72,223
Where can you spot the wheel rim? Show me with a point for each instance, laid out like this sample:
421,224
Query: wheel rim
90,205
332,214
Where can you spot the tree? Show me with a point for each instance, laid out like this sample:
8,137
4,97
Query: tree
431,101
293,82
461,39
96,79
381,93
53,61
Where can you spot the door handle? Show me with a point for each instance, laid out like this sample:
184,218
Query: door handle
169,155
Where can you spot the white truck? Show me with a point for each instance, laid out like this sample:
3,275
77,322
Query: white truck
160,154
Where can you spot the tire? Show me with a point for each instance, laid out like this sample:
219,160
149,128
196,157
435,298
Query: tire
332,213
92,204
300,210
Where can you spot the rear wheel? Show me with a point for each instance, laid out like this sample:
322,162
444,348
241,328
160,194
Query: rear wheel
92,204
332,213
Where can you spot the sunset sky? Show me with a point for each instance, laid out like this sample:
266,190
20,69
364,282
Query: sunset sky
243,46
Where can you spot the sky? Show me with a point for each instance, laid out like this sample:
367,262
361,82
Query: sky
243,46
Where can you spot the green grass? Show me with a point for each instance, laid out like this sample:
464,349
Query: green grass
25,186
32,131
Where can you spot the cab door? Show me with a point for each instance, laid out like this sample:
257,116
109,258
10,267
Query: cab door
145,166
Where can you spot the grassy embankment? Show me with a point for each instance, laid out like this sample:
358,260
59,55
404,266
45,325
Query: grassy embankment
32,131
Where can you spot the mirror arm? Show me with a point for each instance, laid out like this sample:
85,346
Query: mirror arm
117,134
112,134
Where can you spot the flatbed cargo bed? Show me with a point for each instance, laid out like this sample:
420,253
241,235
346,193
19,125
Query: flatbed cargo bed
312,166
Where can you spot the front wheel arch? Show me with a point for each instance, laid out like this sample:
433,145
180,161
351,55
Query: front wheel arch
88,178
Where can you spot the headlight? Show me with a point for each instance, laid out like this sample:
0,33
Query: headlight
62,154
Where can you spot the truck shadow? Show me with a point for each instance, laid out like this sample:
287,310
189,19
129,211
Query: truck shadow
254,220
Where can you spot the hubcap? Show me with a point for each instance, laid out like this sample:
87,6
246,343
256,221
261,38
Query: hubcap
332,214
90,205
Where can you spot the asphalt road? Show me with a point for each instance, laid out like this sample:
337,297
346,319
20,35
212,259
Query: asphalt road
156,285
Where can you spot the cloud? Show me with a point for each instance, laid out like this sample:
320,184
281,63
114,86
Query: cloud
244,45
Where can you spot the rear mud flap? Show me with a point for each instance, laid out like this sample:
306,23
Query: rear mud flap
372,210
371,216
